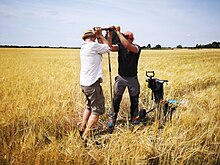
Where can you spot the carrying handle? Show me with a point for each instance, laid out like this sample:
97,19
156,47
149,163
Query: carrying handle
150,73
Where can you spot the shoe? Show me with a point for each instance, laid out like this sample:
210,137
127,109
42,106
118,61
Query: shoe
111,123
136,120
81,133
80,130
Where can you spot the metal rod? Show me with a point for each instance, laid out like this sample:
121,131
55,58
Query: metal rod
110,77
107,29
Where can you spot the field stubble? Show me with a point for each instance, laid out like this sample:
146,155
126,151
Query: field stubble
41,104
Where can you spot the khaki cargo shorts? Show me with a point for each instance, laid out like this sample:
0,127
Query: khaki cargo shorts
95,101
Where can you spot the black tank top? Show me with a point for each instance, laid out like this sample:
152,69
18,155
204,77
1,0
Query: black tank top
127,61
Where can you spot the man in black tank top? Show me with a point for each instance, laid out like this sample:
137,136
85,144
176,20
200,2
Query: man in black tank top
128,61
128,56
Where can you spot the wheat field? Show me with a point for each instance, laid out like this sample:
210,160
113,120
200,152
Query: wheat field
42,104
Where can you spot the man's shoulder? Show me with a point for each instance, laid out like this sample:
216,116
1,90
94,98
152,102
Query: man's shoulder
90,45
138,47
96,44
85,44
120,45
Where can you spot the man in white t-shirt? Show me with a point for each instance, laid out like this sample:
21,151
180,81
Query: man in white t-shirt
91,77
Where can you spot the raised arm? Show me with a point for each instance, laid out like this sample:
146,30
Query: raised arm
100,37
124,41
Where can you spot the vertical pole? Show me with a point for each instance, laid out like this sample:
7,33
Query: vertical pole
110,77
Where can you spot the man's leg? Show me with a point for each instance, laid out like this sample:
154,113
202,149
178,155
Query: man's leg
85,119
119,88
134,106
134,91
97,105
93,120
116,104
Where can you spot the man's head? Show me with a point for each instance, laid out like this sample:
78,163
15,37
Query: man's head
88,34
129,36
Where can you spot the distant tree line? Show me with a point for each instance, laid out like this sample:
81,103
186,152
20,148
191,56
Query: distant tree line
116,40
212,45
198,46
57,47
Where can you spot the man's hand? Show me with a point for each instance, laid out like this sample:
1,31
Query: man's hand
112,28
98,32
118,28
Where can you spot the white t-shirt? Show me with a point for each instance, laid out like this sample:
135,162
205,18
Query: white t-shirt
91,62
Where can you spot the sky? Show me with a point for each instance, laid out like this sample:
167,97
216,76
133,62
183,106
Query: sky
61,22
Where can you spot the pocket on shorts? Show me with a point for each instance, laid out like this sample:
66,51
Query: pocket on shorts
89,91
99,107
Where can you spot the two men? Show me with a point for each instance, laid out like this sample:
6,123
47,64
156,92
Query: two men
91,76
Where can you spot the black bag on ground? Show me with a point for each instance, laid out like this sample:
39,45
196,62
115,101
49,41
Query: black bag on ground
157,88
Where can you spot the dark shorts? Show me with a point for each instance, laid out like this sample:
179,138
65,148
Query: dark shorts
95,101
